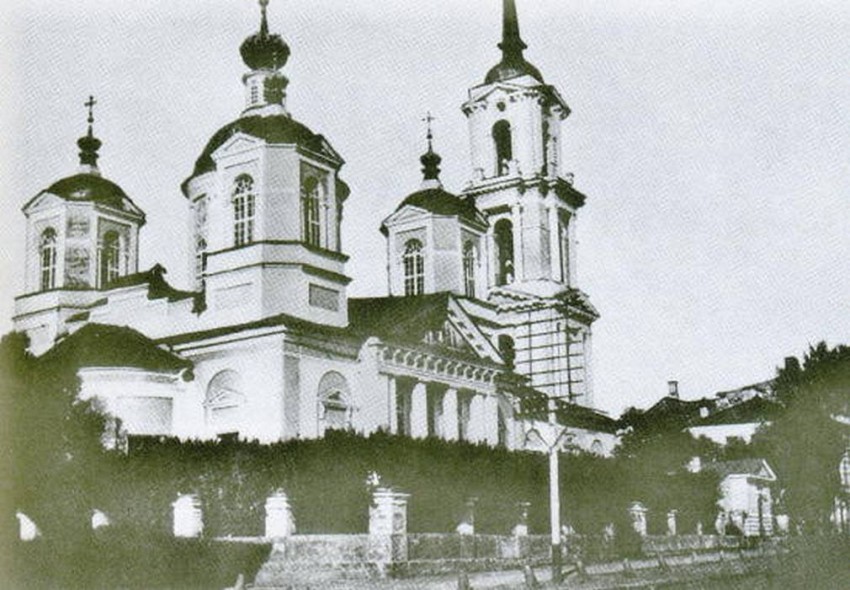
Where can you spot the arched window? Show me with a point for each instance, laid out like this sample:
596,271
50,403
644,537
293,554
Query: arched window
243,210
223,403
200,258
469,264
503,234
414,268
507,350
504,149
844,471
110,258
334,403
47,255
311,208
596,447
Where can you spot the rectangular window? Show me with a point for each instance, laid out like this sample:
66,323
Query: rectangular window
324,298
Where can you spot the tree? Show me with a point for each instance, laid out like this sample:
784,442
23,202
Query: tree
52,452
806,442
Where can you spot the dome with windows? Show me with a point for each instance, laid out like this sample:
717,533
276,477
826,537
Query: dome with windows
273,129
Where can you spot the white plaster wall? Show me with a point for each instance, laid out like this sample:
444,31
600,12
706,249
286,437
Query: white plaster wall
259,363
132,395
721,433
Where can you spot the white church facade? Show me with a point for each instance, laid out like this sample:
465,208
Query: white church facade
483,324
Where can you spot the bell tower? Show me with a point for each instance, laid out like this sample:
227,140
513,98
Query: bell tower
515,120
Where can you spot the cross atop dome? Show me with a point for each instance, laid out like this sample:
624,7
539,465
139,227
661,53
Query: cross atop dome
430,159
89,144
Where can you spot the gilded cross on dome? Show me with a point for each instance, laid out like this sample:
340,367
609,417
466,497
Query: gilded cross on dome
427,120
90,104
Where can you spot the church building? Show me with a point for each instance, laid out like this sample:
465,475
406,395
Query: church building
483,328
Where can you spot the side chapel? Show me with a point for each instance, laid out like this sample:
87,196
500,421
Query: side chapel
483,324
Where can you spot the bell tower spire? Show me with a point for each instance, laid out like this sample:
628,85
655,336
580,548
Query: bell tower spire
512,44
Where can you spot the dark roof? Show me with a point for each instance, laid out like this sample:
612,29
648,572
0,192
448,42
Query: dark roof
274,129
669,413
442,202
534,404
158,287
737,467
756,409
100,345
508,69
92,188
399,319
277,320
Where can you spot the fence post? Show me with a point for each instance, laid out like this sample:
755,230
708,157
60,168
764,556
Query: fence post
671,522
637,512
388,527
188,517
521,527
279,520
467,519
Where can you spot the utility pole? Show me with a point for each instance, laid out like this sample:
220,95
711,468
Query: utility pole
555,493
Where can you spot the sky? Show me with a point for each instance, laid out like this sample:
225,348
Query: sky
711,137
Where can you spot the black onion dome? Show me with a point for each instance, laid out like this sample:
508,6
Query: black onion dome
91,188
442,202
264,50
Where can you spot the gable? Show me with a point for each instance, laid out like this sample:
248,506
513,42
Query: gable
406,214
238,143
41,201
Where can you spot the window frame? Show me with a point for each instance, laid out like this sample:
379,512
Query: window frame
244,210
413,267
47,250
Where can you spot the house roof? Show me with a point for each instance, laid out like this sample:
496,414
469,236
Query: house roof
753,410
101,345
158,287
750,467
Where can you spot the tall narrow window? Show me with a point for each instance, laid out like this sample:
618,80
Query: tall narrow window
503,234
564,236
414,268
110,258
243,210
200,258
311,208
504,149
47,251
469,269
